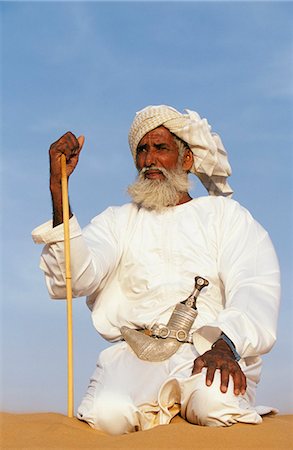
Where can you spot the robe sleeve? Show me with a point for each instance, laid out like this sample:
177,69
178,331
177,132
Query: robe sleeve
249,270
93,251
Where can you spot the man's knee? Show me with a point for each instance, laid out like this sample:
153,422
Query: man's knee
110,412
208,406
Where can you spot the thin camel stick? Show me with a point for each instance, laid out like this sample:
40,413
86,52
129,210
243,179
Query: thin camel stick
65,208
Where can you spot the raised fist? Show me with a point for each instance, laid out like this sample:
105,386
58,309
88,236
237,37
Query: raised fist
70,146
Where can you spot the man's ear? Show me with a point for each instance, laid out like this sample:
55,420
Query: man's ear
187,160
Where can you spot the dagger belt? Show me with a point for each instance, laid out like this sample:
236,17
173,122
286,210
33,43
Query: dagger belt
160,342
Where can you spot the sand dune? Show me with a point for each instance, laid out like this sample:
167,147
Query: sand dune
55,431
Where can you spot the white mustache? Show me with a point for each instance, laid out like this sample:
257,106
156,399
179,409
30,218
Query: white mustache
160,169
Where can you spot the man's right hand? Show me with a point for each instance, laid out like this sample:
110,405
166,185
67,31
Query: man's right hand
71,147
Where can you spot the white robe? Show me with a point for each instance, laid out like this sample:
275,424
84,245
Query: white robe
135,265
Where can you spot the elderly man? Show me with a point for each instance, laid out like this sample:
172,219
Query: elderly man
178,348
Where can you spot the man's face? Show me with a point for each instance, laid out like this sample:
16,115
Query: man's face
157,149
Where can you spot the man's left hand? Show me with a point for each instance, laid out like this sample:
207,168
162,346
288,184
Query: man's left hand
221,357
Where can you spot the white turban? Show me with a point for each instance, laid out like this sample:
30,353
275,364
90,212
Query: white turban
210,161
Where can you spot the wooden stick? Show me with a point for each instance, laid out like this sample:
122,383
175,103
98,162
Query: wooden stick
65,208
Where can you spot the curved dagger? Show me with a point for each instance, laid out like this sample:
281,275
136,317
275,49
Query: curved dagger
163,341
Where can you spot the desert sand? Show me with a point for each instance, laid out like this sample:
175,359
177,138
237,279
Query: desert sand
55,431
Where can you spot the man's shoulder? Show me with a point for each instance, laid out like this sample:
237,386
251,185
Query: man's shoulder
115,213
121,210
220,206
215,202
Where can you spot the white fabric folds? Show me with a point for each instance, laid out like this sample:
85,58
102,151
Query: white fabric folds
210,158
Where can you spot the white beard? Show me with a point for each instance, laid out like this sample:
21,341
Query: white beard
159,194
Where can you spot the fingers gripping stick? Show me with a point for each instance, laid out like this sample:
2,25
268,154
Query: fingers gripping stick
65,209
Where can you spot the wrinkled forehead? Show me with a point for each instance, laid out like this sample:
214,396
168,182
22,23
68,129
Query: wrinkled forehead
159,134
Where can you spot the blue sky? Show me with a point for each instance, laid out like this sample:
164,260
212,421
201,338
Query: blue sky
88,67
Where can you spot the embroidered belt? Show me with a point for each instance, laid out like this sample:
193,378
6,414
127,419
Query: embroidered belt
164,332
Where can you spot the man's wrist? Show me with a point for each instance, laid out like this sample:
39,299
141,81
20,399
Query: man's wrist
223,339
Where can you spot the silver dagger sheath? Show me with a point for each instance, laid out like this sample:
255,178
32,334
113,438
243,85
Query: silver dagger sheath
162,341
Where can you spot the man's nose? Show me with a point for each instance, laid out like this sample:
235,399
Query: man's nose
150,158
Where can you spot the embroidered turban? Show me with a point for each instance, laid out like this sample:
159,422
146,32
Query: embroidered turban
210,161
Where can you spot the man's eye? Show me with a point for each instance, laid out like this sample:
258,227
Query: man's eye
140,149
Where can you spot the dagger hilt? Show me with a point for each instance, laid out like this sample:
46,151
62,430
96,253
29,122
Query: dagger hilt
199,284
